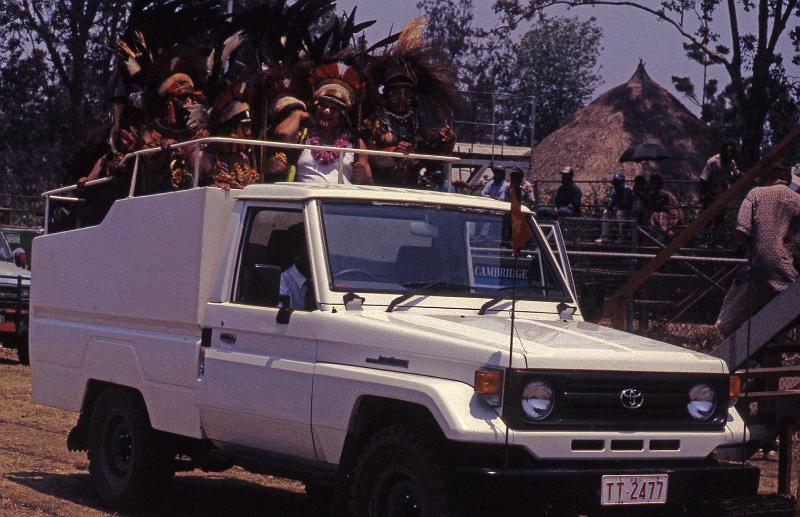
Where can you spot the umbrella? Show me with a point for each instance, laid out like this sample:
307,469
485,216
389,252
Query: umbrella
644,153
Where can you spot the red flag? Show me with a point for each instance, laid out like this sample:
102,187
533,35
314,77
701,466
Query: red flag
520,231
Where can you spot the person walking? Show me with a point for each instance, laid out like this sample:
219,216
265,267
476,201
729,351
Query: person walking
768,228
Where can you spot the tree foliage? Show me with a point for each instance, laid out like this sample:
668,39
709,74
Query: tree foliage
554,63
55,59
751,60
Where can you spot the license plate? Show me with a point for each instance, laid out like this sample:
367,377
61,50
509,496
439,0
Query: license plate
644,489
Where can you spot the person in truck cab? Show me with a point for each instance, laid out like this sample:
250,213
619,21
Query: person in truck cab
296,291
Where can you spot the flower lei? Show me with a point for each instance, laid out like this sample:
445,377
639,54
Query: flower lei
328,157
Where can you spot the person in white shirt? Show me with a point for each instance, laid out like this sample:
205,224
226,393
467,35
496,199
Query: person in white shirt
496,189
327,124
296,289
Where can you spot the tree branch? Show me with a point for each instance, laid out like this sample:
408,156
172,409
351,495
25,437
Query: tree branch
715,56
763,28
46,37
735,68
781,20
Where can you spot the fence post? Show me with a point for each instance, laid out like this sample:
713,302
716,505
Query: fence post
196,178
786,434
46,213
133,176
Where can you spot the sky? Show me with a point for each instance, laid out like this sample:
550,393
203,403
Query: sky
628,36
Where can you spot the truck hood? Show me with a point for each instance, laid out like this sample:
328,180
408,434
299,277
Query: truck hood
9,269
555,344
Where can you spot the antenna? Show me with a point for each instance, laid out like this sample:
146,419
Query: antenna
520,234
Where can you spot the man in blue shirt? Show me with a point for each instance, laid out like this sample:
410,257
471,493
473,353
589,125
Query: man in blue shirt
620,203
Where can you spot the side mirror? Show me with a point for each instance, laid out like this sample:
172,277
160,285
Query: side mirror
565,311
267,285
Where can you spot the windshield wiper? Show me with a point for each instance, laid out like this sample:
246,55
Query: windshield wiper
420,288
494,301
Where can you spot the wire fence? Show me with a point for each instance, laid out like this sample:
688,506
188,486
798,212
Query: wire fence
688,289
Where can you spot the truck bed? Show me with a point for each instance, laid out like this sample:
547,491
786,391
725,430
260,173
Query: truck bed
173,240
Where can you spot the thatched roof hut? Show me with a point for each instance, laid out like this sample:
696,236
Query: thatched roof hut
639,111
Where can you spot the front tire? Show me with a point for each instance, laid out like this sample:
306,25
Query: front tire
399,474
130,463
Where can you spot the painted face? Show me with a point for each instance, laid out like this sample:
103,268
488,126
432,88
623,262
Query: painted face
399,98
328,114
181,98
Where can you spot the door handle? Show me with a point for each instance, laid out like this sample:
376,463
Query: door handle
227,337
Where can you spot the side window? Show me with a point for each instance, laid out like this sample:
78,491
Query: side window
266,248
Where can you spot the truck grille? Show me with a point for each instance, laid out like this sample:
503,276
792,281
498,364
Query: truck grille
8,296
593,400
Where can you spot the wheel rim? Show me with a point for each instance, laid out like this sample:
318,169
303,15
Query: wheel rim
119,446
398,497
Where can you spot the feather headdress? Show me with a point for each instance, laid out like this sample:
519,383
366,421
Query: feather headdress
412,61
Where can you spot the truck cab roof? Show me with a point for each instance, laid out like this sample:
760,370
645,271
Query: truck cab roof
305,191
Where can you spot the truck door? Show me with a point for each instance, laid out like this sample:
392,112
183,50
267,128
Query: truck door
257,374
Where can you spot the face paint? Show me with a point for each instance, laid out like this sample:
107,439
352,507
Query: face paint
328,114
399,98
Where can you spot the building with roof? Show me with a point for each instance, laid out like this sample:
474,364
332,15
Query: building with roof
638,111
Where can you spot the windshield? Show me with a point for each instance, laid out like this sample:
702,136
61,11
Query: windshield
397,248
5,251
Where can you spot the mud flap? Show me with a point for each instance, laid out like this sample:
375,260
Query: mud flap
78,438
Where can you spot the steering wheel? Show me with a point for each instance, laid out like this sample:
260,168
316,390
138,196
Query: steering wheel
357,271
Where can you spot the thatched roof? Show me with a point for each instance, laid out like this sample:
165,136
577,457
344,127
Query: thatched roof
640,110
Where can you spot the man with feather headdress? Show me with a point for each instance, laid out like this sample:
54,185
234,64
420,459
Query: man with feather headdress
416,98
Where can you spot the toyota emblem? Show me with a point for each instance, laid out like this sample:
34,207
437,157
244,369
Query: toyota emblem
631,398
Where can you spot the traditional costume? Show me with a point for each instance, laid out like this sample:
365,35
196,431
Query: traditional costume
416,98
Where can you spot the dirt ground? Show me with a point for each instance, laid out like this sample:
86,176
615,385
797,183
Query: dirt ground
39,477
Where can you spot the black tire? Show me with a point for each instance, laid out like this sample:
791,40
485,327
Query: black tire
130,463
399,473
325,500
22,349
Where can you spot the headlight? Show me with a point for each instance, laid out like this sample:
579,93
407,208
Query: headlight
538,399
702,402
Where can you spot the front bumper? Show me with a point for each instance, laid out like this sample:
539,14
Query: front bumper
692,487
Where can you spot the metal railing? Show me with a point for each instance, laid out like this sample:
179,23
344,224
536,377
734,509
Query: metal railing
53,195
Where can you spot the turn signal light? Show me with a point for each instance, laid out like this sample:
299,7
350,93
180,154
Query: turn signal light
489,384
735,386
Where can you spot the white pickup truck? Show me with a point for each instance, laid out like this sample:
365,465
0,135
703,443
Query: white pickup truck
360,339
15,284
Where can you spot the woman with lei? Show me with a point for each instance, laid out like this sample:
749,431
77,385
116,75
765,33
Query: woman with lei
327,124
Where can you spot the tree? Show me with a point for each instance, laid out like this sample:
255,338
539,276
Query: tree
450,27
556,64
55,59
76,39
750,59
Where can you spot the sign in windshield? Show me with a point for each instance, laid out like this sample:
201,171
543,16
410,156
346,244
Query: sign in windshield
464,252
